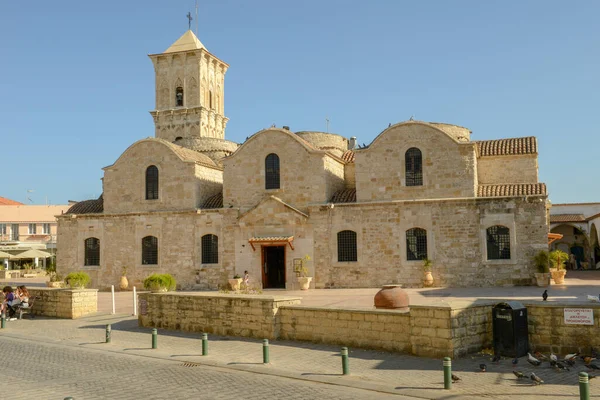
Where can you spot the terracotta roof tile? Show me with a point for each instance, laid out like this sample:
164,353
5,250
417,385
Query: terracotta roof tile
87,207
517,189
8,202
507,147
215,201
344,196
349,156
567,218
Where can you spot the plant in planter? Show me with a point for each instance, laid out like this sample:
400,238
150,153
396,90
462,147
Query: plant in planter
160,283
77,280
557,259
124,283
304,279
235,282
427,276
542,261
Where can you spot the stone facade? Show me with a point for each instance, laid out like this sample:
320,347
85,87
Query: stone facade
64,303
280,201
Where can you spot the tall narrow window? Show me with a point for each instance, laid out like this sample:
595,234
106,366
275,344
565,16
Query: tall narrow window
149,250
32,229
413,161
416,244
210,249
179,97
151,183
2,229
46,229
14,232
346,243
498,243
210,100
272,171
92,251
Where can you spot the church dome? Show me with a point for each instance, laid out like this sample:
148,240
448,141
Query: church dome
214,148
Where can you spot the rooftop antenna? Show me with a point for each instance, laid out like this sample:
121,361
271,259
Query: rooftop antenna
189,17
27,195
327,124
196,17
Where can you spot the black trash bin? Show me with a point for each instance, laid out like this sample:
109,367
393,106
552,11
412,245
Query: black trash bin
509,321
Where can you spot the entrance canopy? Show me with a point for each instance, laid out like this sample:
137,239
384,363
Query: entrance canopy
271,240
553,236
4,254
33,253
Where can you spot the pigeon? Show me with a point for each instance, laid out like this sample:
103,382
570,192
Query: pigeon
560,366
570,361
592,376
545,295
519,374
592,366
571,356
482,367
496,358
533,361
588,359
515,361
455,378
535,379
553,357
593,298
540,356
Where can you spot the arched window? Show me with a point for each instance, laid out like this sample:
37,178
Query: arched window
498,243
272,171
416,244
149,250
92,251
413,161
346,243
179,97
210,249
151,183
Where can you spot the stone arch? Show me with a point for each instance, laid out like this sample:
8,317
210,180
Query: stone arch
179,95
574,236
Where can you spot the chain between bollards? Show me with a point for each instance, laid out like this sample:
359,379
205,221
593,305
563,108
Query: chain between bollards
345,363
108,330
447,373
204,344
154,337
265,351
584,386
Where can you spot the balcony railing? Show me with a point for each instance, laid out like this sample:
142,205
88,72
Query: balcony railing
37,238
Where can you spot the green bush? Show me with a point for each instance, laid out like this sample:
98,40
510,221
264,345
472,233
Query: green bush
541,261
159,282
77,279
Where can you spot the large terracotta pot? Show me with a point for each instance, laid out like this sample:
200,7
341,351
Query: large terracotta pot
559,276
428,279
392,297
124,284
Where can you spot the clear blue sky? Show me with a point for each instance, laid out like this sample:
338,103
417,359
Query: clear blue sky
76,84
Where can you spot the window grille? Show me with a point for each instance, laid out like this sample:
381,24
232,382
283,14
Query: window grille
151,183
92,251
210,249
46,229
32,229
414,167
416,244
272,171
347,246
498,243
149,250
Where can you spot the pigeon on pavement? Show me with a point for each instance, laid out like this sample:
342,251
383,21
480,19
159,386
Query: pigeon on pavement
560,366
535,379
545,295
553,357
515,361
519,374
540,356
482,367
571,356
496,358
455,378
533,361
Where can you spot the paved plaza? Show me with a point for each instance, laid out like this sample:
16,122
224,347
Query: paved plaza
56,358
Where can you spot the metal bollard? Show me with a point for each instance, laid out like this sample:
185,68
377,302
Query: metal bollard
154,337
204,344
345,364
584,386
3,324
447,373
265,351
108,330
69,398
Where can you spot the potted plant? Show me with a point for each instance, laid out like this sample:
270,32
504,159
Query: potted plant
558,258
77,280
235,282
304,279
56,281
160,283
427,276
124,283
541,261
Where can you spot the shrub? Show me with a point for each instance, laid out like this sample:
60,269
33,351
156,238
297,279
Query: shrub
541,260
558,258
77,279
160,281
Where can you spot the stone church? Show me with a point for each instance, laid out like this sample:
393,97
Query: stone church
193,204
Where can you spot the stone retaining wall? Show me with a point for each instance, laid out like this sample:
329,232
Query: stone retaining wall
64,303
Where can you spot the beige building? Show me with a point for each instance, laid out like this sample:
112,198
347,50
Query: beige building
202,208
25,227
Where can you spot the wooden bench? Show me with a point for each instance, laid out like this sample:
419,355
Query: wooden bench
20,310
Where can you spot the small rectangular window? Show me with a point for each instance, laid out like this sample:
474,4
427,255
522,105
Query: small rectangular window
14,232
46,228
3,229
32,229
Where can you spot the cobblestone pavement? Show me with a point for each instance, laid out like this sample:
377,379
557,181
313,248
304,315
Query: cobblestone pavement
65,357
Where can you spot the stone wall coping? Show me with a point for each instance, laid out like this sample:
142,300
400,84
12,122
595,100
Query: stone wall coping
565,303
61,289
349,309
228,296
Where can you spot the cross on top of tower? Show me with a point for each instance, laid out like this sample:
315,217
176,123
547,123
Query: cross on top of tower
190,18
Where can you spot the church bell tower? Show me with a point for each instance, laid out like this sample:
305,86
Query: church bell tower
189,91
